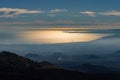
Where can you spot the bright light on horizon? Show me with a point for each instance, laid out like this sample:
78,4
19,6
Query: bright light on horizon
58,36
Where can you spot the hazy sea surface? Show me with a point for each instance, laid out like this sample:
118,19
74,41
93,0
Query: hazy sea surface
46,42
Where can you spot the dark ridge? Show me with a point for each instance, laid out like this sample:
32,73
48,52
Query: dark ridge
12,60
15,67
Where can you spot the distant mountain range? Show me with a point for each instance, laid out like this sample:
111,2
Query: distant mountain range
15,67
68,61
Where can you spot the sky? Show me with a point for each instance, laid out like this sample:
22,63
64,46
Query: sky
59,13
20,15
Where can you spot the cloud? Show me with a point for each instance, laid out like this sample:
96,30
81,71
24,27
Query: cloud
58,10
107,13
39,23
18,26
51,15
111,13
13,12
89,13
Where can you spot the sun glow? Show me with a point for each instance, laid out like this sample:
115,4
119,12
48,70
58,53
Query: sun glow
58,36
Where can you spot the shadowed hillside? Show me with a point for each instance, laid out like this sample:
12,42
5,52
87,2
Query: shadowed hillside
14,67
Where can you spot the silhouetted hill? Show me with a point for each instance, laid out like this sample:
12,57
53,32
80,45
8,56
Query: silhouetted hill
17,67
14,67
92,68
11,60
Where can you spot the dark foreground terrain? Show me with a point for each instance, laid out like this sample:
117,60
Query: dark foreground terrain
14,67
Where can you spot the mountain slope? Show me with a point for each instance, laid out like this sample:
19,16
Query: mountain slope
19,68
92,68
14,67
11,60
